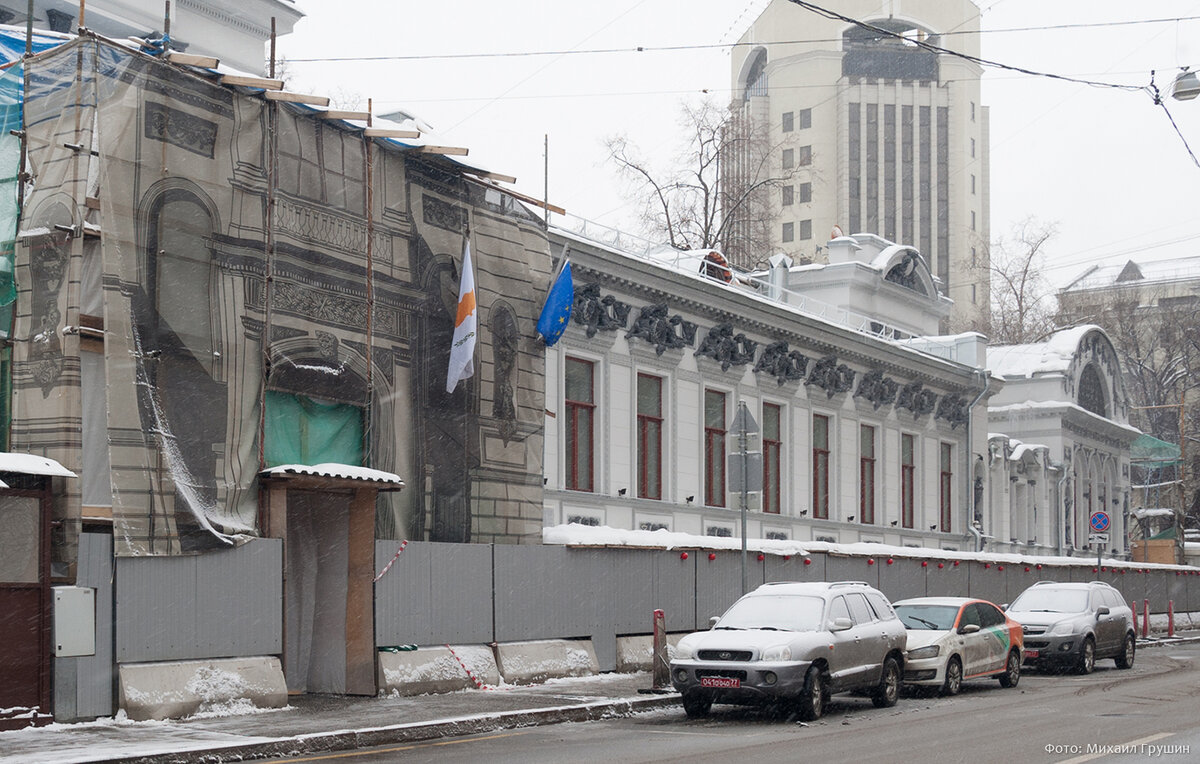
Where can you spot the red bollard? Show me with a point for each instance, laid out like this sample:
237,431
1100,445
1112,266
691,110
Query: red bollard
1170,618
662,668
1145,618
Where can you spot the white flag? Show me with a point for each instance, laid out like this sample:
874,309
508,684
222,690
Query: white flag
462,346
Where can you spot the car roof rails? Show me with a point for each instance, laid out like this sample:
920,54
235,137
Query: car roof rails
848,583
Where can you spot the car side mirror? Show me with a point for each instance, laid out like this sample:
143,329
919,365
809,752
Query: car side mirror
1102,611
712,622
840,624
1004,606
970,628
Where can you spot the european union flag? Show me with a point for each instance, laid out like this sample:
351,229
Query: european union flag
553,321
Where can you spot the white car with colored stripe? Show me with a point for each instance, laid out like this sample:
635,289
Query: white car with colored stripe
953,639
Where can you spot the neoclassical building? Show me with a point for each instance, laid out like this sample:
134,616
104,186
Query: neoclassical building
1064,412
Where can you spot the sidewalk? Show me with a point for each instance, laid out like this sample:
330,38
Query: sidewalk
318,723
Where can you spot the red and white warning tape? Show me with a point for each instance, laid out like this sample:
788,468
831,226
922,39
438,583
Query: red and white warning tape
388,567
478,684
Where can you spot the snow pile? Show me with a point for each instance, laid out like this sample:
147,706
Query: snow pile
441,668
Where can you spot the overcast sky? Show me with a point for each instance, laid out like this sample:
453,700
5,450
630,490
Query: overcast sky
1106,166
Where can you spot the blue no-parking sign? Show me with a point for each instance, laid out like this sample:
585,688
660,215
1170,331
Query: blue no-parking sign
1099,522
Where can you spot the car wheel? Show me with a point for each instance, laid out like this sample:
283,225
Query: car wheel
1012,671
811,703
696,706
1087,657
888,691
953,681
1125,659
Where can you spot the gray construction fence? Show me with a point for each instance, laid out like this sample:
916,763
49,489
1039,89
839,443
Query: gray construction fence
229,603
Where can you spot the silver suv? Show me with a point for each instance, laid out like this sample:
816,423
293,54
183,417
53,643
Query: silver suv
1074,624
794,643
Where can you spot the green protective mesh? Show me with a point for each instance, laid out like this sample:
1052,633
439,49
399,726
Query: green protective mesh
303,430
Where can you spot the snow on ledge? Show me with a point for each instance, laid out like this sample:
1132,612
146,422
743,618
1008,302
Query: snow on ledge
330,469
32,464
1152,512
576,535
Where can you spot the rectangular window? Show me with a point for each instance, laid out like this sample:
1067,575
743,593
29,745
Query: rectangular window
820,466
974,295
805,157
788,122
974,258
772,446
972,220
789,231
650,427
789,194
805,230
866,474
714,448
972,184
944,500
972,111
805,193
972,147
789,158
804,117
580,420
908,479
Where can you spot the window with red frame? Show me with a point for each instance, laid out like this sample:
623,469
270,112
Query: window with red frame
580,423
772,446
714,448
820,466
866,474
650,425
945,502
908,477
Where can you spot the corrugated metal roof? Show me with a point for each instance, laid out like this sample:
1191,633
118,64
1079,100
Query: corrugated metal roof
332,470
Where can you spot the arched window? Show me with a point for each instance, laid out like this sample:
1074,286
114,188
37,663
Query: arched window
179,278
755,83
1091,391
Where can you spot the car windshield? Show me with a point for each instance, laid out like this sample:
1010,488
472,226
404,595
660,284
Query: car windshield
776,612
1047,600
928,617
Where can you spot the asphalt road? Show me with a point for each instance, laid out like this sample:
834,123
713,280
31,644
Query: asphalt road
1149,712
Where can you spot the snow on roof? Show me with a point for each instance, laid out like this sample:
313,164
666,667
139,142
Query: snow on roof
577,535
1049,357
1102,276
32,464
1142,512
330,469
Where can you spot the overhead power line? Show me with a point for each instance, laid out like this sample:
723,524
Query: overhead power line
712,46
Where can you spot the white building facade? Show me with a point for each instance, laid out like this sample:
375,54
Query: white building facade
862,438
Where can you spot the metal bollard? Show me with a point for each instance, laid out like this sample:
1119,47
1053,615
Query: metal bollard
662,667
1145,619
1170,618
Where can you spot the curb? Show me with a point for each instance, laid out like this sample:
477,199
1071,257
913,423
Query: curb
342,740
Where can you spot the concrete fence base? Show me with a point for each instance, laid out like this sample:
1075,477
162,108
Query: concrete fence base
170,690
636,653
437,669
533,662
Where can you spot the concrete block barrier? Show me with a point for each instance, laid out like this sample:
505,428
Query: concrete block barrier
533,662
175,689
636,653
436,669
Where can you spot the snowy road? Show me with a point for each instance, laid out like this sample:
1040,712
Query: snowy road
1141,714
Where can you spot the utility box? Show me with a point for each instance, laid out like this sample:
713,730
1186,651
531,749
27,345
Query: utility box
74,621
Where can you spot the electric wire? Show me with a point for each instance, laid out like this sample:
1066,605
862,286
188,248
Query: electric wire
711,46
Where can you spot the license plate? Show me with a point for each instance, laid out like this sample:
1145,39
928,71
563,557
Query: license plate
1031,653
723,682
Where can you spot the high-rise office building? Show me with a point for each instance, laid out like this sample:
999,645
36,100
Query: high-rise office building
867,132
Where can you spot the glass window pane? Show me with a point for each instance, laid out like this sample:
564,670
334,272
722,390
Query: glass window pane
714,409
820,432
770,427
579,380
649,395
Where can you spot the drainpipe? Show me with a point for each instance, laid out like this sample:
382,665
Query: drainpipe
969,473
1062,505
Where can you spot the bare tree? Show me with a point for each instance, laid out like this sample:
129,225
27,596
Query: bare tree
722,175
1022,306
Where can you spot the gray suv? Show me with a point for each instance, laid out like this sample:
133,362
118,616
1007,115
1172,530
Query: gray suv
1075,624
794,643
